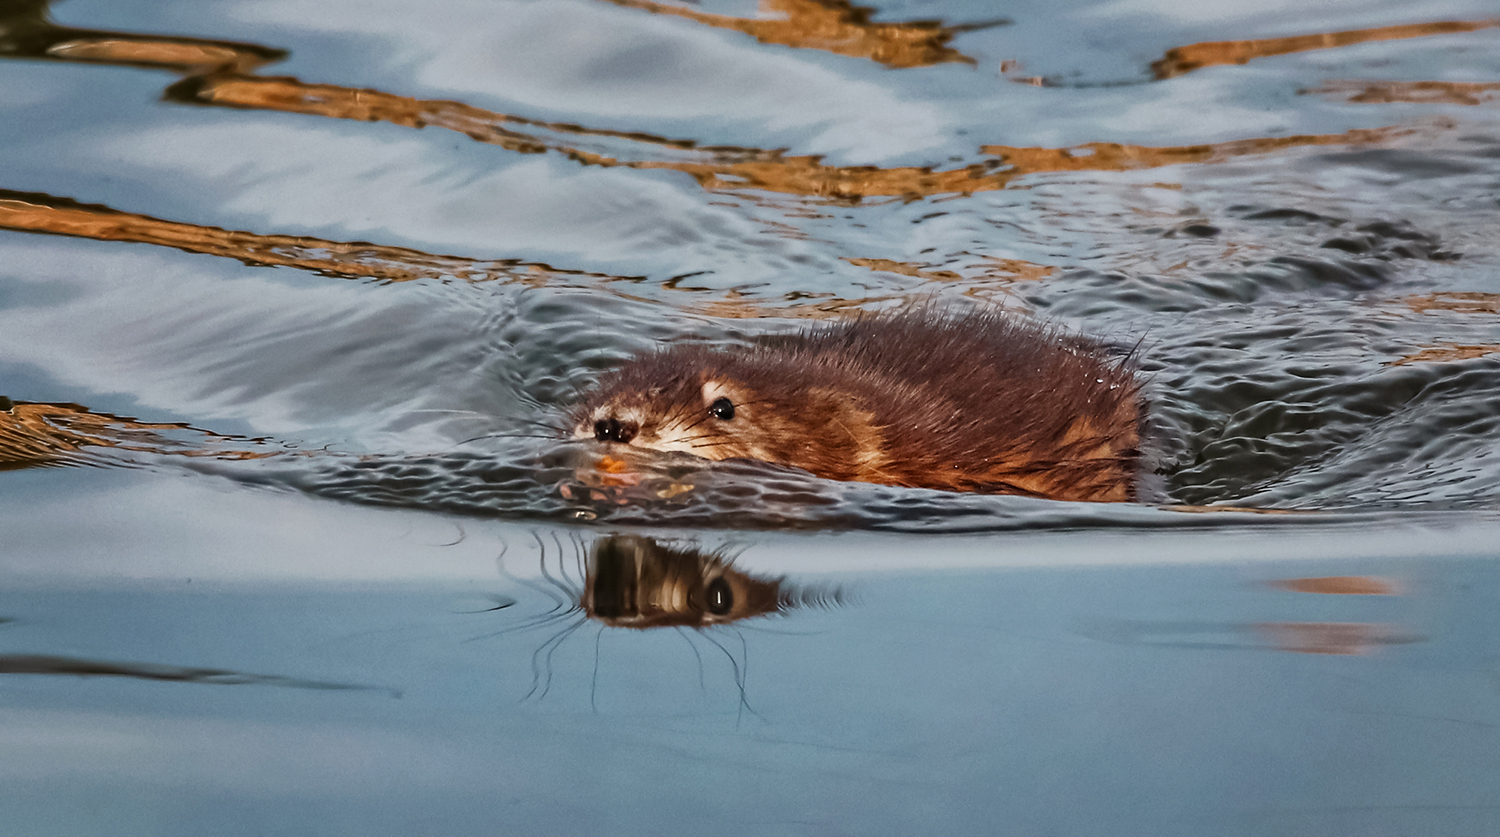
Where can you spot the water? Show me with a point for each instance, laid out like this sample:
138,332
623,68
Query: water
288,293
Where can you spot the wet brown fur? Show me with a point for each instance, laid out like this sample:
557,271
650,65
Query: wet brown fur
980,402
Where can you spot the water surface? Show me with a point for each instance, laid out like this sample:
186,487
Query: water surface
292,297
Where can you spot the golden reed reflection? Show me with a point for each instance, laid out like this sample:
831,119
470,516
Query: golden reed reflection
1185,59
27,32
1334,637
39,213
807,176
731,169
1340,585
1347,638
1417,92
1463,302
1445,353
179,55
217,73
34,212
37,434
835,26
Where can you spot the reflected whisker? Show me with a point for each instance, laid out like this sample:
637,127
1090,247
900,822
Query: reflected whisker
547,574
761,629
594,683
520,627
702,684
539,663
500,564
739,677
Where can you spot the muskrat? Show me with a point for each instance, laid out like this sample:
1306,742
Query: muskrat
975,401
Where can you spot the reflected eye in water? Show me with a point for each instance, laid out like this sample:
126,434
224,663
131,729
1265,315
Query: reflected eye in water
639,583
720,597
636,582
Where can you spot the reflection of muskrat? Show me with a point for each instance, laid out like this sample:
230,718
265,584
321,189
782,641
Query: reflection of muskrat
955,401
636,582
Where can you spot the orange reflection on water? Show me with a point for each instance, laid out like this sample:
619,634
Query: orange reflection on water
1330,637
38,213
807,175
1419,92
34,435
915,270
1445,353
159,53
1017,270
1334,637
225,83
1463,302
288,95
1340,585
835,26
1185,59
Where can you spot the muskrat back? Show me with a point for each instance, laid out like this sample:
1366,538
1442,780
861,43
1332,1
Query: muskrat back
976,401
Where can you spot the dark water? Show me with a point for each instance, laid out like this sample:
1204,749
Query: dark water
292,297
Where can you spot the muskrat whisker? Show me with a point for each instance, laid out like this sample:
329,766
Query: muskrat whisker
503,435
695,423
471,413
538,423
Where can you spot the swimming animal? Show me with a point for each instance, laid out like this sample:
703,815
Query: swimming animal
979,401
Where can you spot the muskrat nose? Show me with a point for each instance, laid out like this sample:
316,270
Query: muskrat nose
614,430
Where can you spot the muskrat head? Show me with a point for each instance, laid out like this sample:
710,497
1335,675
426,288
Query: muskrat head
754,405
704,415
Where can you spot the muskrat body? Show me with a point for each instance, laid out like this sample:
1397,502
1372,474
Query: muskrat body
979,402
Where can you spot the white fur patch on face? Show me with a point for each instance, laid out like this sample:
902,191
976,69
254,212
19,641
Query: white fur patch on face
714,390
684,434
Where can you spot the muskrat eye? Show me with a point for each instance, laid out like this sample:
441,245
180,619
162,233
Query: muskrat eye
720,597
722,409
